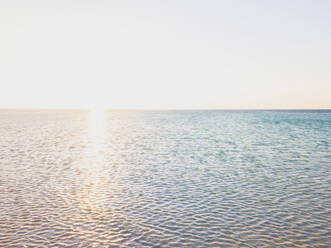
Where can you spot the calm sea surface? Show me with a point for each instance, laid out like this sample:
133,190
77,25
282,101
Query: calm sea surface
165,178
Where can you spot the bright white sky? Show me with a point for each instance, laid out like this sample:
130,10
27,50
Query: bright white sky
165,54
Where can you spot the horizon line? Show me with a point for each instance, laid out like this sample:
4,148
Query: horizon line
169,109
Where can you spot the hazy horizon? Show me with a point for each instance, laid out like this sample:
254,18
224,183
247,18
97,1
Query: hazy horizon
174,109
165,55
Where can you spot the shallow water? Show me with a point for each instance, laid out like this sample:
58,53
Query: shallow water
165,178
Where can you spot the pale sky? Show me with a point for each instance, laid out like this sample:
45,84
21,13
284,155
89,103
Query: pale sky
165,54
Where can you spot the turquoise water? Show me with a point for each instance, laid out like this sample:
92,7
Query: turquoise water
165,178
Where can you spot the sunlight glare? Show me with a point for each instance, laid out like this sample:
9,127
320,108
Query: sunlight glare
93,177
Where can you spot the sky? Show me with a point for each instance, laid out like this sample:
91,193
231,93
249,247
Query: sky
171,54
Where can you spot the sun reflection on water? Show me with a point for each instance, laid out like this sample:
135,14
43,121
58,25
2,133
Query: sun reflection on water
93,178
96,139
97,125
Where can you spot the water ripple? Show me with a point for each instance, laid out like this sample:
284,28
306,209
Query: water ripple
165,179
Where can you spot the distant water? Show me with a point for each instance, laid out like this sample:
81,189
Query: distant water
165,179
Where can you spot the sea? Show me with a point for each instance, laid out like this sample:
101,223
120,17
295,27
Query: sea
165,178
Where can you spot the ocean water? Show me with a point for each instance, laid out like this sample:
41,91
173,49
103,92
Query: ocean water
165,178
